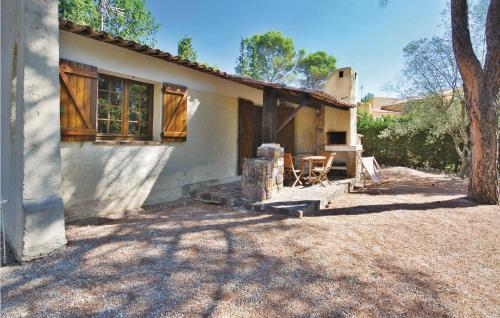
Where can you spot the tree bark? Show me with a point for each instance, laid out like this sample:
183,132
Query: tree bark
481,91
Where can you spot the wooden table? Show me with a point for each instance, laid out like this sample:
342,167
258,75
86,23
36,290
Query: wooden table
311,160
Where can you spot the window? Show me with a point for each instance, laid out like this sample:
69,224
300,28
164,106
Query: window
124,109
341,74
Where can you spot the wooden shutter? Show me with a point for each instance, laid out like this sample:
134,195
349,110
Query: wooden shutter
174,119
78,101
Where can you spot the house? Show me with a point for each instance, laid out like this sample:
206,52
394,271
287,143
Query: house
93,123
383,106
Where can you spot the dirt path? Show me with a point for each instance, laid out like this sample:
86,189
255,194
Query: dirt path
414,248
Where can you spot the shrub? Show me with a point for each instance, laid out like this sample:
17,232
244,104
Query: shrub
413,150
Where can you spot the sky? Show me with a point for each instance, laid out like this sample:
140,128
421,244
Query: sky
359,33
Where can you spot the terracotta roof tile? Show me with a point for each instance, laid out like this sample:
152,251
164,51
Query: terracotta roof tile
87,31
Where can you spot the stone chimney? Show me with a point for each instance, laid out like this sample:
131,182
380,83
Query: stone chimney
343,84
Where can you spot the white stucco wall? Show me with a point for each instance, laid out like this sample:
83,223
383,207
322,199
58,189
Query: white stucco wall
98,178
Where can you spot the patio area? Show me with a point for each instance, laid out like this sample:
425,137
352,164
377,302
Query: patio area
298,201
418,250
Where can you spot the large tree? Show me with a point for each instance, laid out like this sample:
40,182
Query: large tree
185,50
129,19
270,56
315,68
481,86
481,82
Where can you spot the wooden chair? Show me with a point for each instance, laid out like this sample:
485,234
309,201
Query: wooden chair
290,171
322,172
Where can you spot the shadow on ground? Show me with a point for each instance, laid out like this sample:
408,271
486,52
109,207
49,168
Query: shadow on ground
200,260
461,202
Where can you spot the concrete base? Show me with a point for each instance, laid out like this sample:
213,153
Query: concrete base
44,228
294,202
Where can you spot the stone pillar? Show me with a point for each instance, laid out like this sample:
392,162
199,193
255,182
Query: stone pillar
320,130
353,164
30,128
263,176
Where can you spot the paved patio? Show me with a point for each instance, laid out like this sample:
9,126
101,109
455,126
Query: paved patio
299,201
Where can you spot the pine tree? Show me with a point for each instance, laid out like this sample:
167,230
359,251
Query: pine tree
185,50
242,63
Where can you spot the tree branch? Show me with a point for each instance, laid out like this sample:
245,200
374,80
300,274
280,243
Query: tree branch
462,44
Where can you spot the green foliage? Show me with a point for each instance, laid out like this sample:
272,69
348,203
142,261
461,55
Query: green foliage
242,61
414,148
431,72
367,98
135,23
315,68
270,56
185,50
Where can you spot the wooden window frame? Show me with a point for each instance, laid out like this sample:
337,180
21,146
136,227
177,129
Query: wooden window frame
125,111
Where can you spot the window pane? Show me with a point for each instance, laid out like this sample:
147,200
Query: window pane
117,86
143,116
133,101
116,99
132,115
143,126
103,99
133,128
115,113
102,112
138,89
103,83
115,127
102,126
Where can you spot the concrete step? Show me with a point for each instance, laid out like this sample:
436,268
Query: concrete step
293,202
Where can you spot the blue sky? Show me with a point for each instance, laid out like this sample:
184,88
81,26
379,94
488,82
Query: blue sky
358,33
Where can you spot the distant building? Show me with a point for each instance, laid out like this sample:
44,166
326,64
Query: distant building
383,106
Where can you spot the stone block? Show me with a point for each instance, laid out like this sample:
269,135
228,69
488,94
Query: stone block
262,153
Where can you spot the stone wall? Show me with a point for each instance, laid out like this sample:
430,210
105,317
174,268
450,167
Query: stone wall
263,176
353,164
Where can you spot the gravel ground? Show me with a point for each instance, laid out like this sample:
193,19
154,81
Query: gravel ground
415,247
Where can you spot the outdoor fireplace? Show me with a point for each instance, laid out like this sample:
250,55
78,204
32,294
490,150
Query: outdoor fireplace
336,138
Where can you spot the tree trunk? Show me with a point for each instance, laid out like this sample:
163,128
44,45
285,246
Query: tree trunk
480,90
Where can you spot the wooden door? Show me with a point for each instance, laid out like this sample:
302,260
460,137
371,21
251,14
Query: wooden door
249,126
250,130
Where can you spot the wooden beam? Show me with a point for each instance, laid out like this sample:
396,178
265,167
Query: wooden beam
269,116
290,117
307,100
